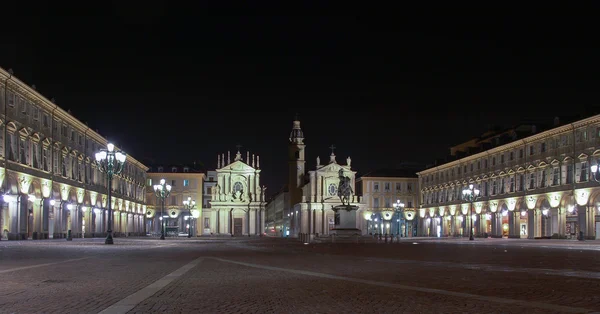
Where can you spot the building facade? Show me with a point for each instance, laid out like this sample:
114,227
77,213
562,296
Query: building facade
312,195
533,184
278,219
210,181
186,182
238,200
51,184
381,190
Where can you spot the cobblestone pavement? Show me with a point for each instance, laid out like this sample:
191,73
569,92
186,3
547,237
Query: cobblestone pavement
271,275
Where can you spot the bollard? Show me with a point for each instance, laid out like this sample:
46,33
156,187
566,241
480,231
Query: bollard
69,237
385,237
581,238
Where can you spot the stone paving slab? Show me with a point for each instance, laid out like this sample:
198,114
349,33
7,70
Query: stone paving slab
282,276
85,286
217,287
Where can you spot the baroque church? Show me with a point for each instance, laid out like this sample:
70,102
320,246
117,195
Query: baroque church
308,207
238,200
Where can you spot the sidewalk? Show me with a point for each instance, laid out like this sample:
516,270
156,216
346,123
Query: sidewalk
541,243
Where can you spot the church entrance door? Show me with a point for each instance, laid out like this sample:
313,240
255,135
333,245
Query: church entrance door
237,226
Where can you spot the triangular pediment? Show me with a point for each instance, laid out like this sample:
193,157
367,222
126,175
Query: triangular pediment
582,156
238,166
332,167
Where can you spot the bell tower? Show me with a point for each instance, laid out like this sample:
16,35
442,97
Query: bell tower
296,162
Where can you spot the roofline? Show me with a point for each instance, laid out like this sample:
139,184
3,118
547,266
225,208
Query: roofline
59,112
532,138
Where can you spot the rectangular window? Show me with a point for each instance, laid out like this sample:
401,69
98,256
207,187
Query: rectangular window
555,176
387,186
45,121
584,172
172,182
149,182
376,202
11,98
398,186
376,186
36,113
409,187
207,223
186,182
520,183
23,105
532,181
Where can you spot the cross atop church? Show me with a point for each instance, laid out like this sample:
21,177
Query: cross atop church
332,149
296,117
238,146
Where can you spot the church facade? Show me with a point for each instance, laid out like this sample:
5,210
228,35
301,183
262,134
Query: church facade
313,195
238,200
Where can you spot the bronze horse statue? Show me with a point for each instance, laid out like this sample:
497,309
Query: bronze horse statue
344,188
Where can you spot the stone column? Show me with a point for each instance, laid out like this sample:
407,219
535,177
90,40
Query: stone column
531,223
514,224
590,222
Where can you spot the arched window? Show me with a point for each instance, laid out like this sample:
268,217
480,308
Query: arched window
237,187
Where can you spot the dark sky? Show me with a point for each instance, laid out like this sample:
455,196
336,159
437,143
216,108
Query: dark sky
174,84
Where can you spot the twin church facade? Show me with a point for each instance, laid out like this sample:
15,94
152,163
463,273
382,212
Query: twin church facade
306,205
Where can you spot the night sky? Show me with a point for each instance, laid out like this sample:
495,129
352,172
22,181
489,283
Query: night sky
173,84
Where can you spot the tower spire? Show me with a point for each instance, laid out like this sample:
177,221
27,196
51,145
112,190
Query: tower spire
296,136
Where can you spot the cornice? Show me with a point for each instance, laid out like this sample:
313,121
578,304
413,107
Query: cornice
50,107
386,178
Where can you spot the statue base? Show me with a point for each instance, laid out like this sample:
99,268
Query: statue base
345,232
346,224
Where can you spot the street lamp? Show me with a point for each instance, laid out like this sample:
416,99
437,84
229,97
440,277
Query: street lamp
111,162
594,169
162,191
471,195
399,209
189,205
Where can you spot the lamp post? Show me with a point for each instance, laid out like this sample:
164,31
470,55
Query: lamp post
470,195
111,162
399,207
189,205
162,191
594,169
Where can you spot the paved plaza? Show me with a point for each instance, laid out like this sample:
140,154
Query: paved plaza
270,275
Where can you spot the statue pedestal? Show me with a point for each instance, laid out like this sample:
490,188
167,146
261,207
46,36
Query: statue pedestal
346,226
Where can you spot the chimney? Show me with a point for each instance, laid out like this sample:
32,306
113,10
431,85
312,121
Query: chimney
556,121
